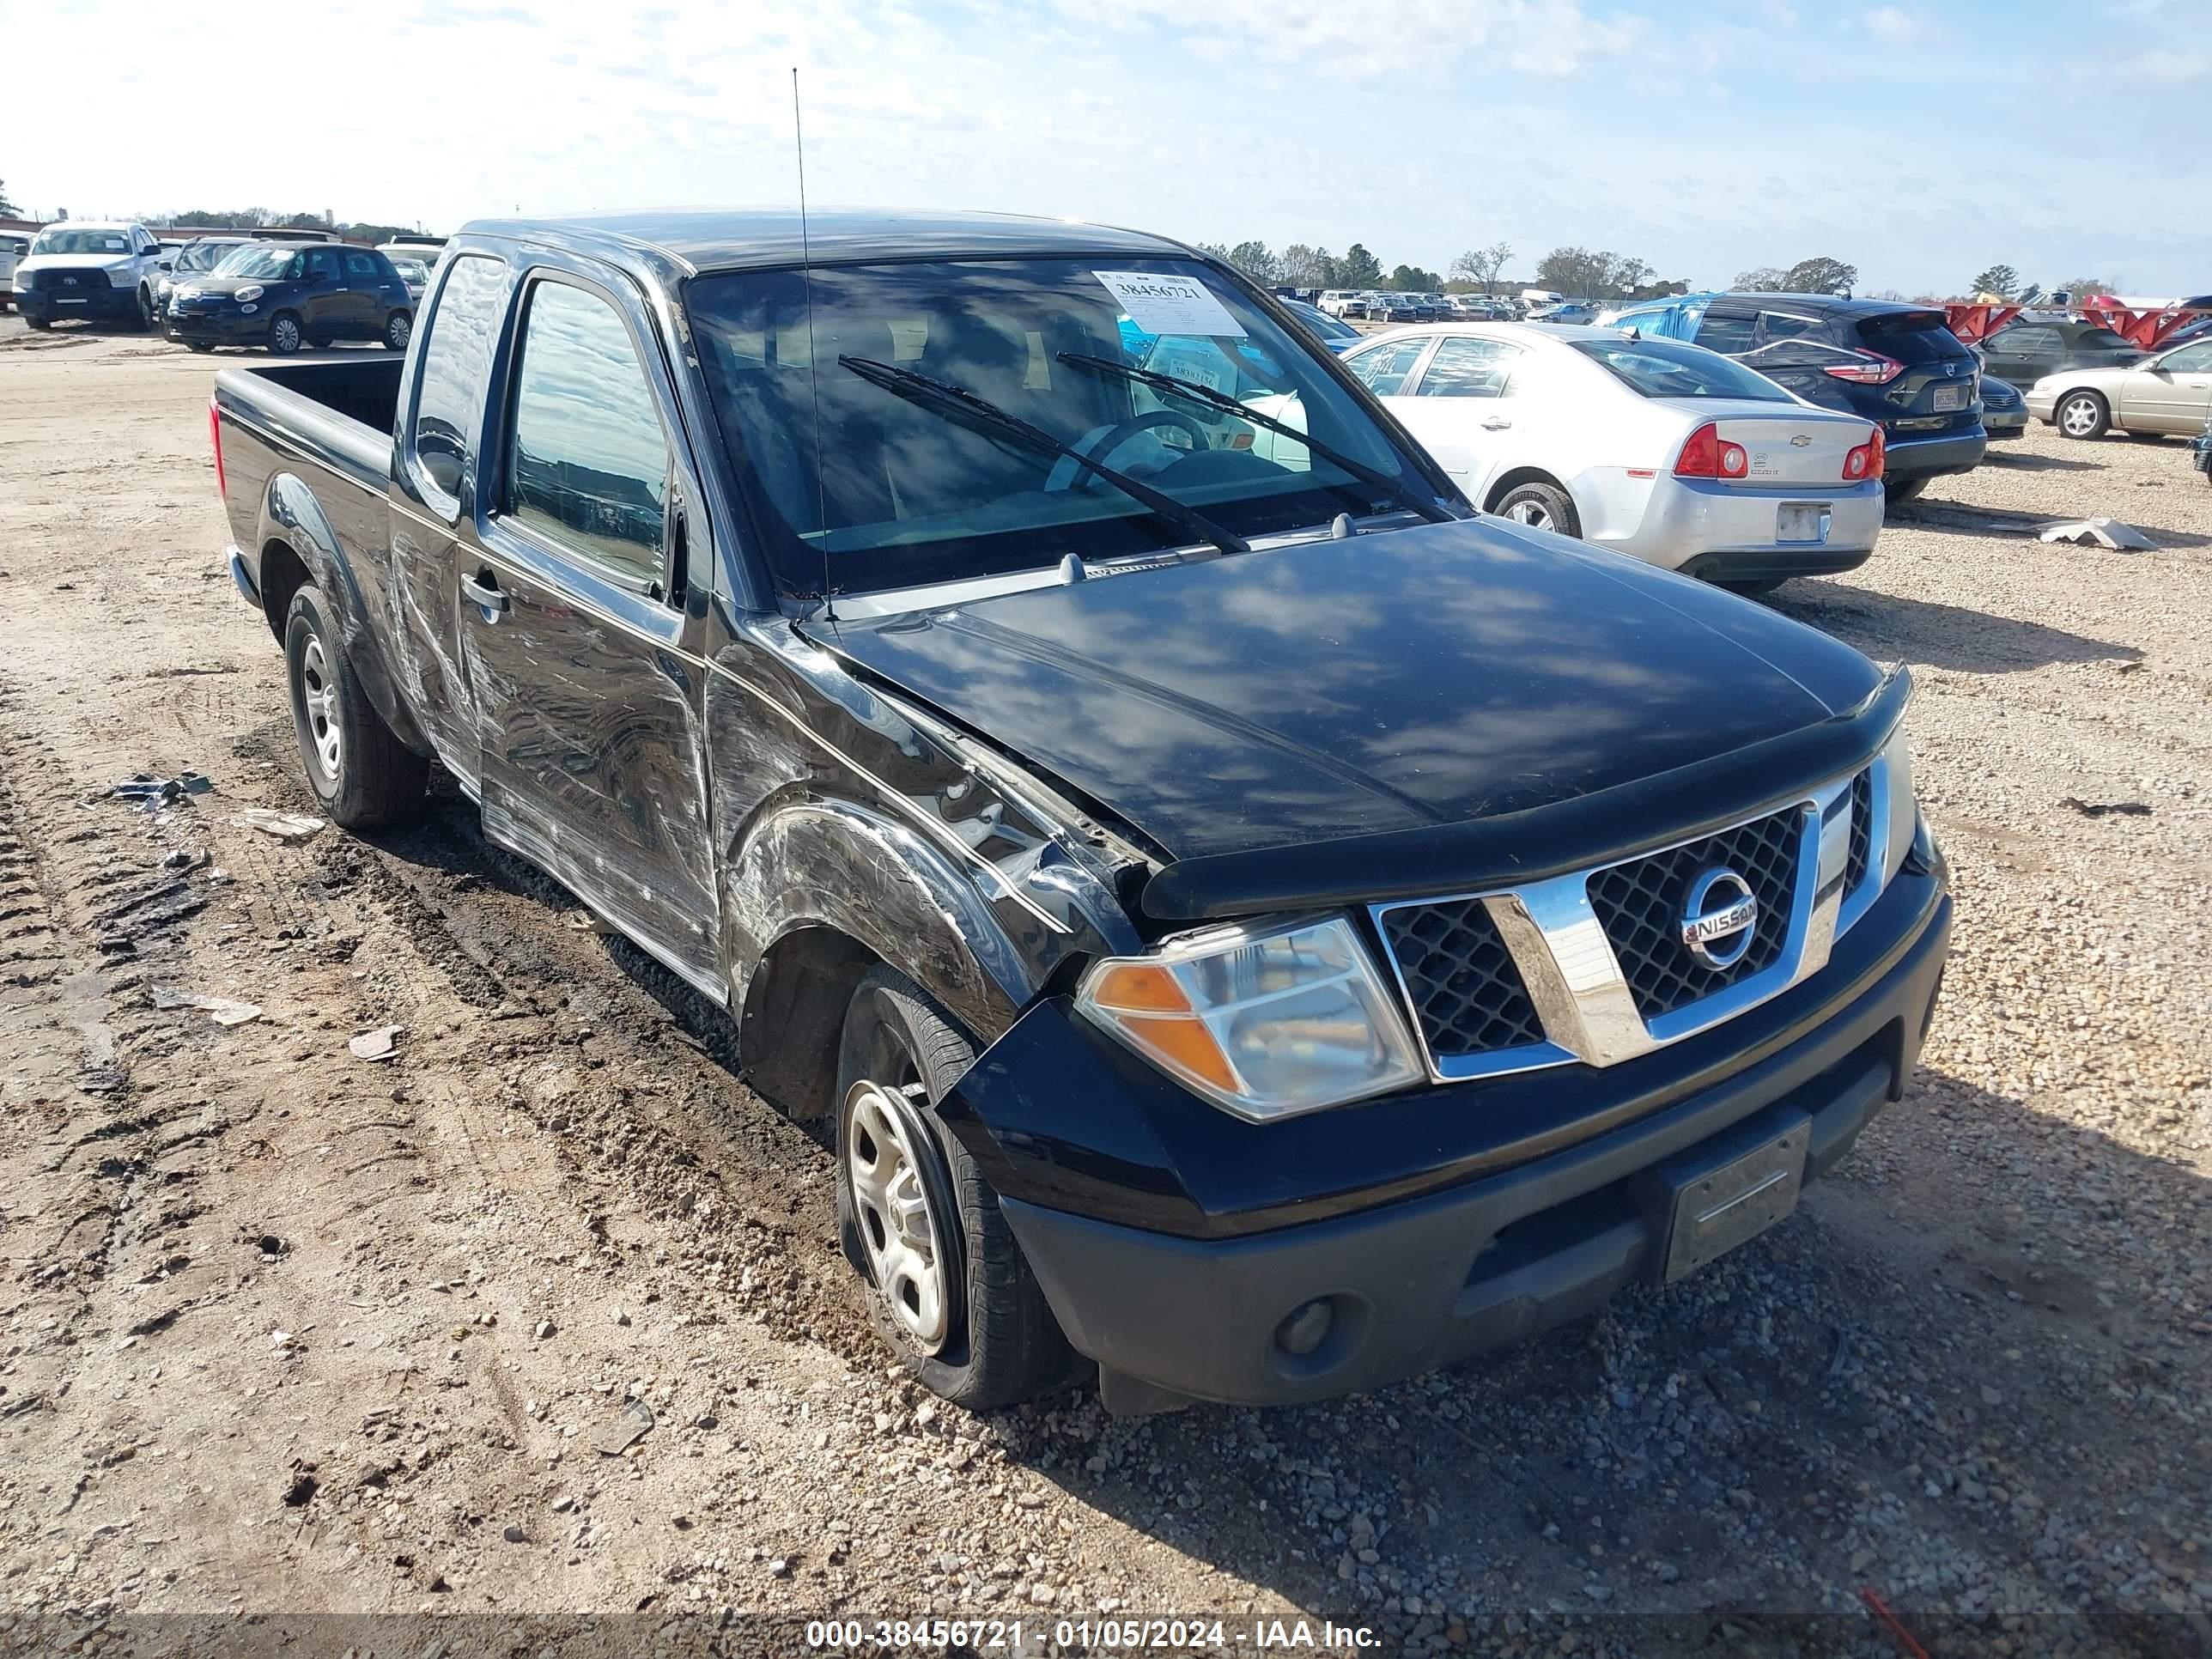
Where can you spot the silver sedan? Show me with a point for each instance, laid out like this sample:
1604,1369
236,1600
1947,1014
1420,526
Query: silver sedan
2170,392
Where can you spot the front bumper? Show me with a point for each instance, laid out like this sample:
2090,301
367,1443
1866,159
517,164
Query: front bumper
1428,1281
1932,457
226,327
55,305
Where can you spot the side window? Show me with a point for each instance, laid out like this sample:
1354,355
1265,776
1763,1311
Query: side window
1467,369
587,461
1729,332
2028,342
322,265
450,372
362,267
1384,367
1780,326
2190,359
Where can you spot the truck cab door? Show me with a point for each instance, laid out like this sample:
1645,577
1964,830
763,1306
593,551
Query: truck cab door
578,630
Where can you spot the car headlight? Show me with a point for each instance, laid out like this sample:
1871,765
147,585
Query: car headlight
1904,809
250,291
122,276
1264,1023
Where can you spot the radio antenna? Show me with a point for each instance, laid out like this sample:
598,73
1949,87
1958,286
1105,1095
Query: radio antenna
813,363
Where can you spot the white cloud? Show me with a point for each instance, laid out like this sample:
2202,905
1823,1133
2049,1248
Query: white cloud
1893,24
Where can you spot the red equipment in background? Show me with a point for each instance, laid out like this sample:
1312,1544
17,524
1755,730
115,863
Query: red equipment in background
2145,329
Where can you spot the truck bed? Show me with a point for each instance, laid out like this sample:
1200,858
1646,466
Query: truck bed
340,413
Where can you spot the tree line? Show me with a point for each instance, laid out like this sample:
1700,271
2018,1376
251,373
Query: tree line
1580,272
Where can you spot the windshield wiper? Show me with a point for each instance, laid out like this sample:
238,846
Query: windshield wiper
1228,405
965,408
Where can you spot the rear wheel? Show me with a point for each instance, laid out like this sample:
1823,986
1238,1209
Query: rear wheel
947,1281
1905,489
360,771
284,334
396,328
1752,590
2084,414
1540,506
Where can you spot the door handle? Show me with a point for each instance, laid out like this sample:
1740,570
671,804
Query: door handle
1495,424
484,589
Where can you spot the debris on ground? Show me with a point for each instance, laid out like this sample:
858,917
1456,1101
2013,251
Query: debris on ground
223,1010
151,792
618,1436
2098,532
587,922
292,827
2098,809
378,1044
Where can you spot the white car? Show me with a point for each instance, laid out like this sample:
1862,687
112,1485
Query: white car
1676,454
2170,392
82,268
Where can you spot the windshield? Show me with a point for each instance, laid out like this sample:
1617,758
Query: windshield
411,270
203,256
904,496
260,259
81,241
1663,368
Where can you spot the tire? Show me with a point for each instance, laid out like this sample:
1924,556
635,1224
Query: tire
320,341
1905,489
41,323
284,334
397,329
1540,506
969,1320
197,345
2082,415
1753,590
2147,437
145,322
360,772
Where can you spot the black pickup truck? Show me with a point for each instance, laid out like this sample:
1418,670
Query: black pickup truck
1256,926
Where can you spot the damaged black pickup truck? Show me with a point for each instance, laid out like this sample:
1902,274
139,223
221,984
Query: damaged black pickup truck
1256,926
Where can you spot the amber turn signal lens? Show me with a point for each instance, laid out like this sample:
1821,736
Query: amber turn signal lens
1184,1045
1139,987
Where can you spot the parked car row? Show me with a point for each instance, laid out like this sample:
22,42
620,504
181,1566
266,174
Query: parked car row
281,290
1387,305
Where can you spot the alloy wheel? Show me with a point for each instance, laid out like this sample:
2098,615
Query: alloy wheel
898,1227
2079,418
1532,513
319,695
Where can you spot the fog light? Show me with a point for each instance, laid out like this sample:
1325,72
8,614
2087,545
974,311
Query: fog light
1305,1329
249,310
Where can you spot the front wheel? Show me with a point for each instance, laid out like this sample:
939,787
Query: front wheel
2084,414
284,334
946,1282
360,771
1540,506
396,328
145,321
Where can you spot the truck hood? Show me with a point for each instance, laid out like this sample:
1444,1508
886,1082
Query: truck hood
1385,682
75,262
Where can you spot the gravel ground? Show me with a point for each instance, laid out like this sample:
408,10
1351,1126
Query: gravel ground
290,1333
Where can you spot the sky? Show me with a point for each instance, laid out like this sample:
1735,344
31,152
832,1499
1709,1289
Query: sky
1921,143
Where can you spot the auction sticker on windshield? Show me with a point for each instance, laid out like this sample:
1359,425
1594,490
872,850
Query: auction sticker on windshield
1169,305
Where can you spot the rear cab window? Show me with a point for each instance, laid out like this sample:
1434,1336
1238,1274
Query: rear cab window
450,372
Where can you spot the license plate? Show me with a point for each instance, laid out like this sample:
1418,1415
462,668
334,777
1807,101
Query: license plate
1717,1200
1948,398
1801,521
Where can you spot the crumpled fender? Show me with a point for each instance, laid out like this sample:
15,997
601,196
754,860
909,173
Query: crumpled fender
291,513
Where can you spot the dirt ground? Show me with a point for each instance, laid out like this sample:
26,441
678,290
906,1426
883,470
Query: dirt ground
292,1333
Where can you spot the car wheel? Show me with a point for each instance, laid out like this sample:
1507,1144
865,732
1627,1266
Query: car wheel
945,1280
2084,414
145,310
1540,506
197,345
2147,437
41,323
1752,590
397,329
360,771
1905,489
284,334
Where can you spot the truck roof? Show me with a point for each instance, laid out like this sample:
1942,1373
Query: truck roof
736,239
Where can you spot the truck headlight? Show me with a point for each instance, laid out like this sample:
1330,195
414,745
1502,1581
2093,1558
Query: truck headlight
122,276
250,291
1904,809
1264,1022
20,281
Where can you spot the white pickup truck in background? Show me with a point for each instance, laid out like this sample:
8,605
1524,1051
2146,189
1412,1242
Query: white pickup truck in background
82,268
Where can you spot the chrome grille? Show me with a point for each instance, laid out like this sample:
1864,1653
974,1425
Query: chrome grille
1465,990
1639,905
1855,866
